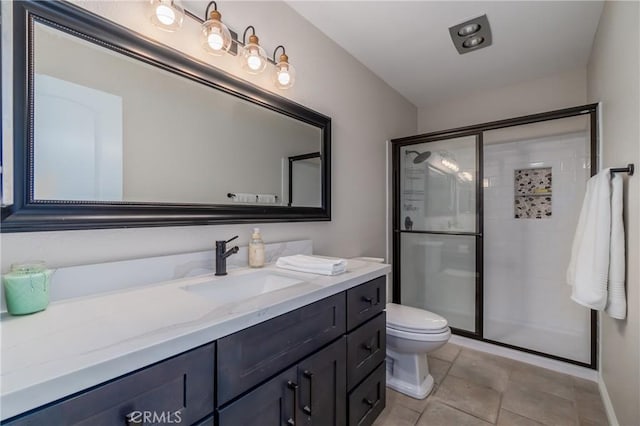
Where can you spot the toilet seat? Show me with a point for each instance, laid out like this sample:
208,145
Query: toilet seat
420,337
407,321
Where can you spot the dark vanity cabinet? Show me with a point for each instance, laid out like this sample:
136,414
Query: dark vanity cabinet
322,364
332,355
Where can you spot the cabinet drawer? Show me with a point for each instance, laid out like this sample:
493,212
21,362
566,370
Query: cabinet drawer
366,349
365,301
367,401
251,356
178,390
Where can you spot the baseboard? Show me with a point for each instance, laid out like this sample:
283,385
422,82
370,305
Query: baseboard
537,360
606,400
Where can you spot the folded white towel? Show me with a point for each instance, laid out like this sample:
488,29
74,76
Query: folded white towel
267,198
596,268
616,299
312,264
244,197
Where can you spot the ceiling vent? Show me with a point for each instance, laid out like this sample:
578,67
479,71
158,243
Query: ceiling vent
471,35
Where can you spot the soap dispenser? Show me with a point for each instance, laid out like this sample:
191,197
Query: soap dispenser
256,249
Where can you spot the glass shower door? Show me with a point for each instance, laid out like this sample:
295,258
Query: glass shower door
437,230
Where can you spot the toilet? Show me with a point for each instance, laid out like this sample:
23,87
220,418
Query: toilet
411,334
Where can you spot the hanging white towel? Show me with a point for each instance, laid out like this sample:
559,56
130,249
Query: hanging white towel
616,298
312,264
597,246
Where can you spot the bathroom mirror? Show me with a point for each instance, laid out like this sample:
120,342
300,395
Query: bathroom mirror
122,131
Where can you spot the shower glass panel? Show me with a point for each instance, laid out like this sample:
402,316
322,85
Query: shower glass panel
439,275
534,182
437,227
438,186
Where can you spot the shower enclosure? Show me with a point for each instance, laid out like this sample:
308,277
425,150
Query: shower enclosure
483,222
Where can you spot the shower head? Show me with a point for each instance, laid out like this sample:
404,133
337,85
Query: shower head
421,157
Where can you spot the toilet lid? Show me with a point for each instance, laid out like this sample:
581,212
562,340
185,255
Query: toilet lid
414,320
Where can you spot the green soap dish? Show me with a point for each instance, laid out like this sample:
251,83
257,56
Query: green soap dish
26,288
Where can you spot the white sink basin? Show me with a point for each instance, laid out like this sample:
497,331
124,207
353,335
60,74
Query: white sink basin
233,288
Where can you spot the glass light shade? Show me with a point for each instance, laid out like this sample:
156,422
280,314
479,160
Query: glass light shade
285,75
215,37
253,59
167,15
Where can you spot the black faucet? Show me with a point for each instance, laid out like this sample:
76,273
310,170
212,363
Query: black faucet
222,253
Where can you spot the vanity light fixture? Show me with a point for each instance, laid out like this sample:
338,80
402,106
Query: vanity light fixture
167,15
215,37
471,35
253,59
285,73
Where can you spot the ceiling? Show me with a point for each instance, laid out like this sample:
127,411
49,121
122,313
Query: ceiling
408,45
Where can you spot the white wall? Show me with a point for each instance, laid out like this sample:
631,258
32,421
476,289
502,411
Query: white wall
613,77
553,92
365,113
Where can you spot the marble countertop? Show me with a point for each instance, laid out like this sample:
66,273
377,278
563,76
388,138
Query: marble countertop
78,343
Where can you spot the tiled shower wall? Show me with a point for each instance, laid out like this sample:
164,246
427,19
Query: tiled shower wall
526,298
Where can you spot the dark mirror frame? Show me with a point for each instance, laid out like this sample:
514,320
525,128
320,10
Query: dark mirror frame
27,214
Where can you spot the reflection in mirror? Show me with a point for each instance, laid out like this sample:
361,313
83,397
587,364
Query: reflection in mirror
111,128
305,177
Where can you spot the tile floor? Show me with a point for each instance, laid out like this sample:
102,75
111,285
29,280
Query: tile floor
475,389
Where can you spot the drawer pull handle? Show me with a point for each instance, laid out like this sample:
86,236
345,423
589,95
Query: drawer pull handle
368,402
294,387
367,299
368,346
131,421
309,375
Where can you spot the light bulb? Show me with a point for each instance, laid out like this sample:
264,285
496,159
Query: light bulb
285,73
215,41
215,37
253,59
284,77
254,62
165,14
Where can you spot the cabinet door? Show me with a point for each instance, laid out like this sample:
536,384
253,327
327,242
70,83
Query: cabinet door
270,404
323,387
